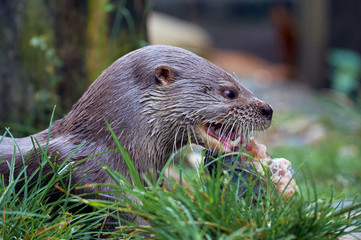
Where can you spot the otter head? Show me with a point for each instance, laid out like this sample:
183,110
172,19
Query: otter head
159,98
192,100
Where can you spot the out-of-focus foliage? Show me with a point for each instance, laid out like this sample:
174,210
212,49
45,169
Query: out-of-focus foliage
59,48
346,71
46,96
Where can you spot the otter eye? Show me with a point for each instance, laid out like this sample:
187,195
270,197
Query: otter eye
230,94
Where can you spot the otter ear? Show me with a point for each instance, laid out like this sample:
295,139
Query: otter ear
165,74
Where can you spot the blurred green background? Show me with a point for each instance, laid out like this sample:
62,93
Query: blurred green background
301,56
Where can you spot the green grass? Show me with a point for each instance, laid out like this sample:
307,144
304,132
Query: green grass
209,207
35,210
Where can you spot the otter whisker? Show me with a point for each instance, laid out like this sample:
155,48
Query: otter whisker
182,140
226,126
189,139
238,129
243,130
207,138
175,140
222,132
234,123
264,130
222,129
230,132
256,131
215,147
252,126
246,130
194,134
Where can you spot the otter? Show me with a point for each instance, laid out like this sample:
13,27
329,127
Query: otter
156,99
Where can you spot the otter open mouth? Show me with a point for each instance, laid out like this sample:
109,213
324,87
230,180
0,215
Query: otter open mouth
228,140
221,138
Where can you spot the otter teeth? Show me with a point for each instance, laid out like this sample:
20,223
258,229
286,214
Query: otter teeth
236,142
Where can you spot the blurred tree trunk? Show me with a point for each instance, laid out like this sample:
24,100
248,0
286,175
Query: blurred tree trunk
70,17
14,87
50,48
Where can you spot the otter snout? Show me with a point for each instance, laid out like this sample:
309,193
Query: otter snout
267,111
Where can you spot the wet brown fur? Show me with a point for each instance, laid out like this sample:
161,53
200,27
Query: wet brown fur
149,96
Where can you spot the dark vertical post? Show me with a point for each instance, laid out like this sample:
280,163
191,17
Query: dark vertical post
313,38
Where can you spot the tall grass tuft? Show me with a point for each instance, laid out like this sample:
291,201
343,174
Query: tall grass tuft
32,208
210,207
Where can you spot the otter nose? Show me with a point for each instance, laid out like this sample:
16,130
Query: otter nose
267,112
